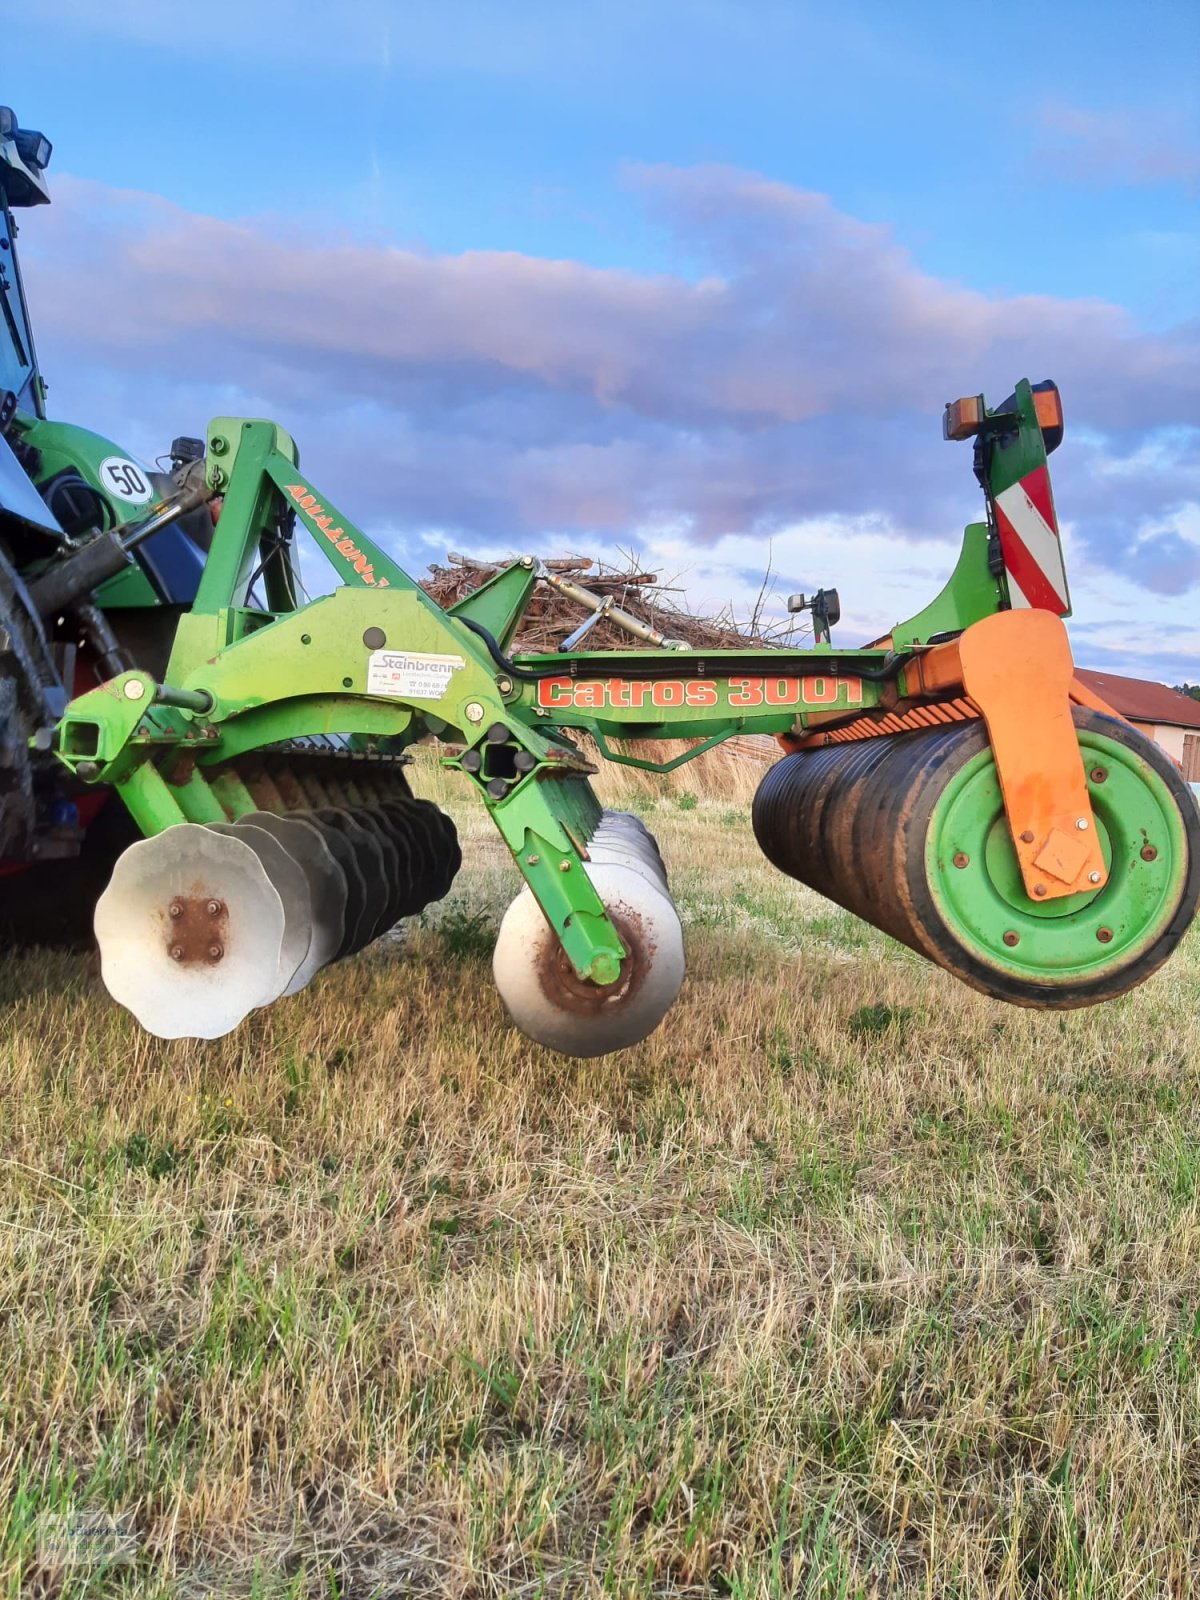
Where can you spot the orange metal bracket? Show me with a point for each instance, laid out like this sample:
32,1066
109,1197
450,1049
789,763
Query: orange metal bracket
1017,668
1016,671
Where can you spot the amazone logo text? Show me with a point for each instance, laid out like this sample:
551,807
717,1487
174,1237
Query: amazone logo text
338,537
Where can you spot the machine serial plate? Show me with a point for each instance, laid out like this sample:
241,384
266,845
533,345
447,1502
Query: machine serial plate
409,675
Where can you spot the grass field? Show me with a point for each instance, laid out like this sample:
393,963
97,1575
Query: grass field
847,1282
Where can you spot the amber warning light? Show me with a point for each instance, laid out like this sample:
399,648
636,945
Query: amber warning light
963,417
967,417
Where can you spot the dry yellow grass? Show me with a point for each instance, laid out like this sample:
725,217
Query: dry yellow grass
847,1282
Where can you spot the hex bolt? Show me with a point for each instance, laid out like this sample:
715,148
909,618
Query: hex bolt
1081,823
961,859
1095,877
1039,888
504,685
176,952
176,909
1104,935
1098,775
526,561
1149,853
1027,836
532,861
564,866
473,711
215,952
1011,938
215,908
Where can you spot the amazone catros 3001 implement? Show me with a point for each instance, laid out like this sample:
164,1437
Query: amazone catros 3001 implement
953,783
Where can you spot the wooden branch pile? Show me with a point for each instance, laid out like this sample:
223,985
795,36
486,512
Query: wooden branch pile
550,617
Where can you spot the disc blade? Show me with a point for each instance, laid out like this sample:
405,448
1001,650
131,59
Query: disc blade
368,857
307,845
290,884
552,1005
190,931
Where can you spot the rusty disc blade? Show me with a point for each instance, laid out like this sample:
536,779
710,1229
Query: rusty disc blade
551,1004
191,933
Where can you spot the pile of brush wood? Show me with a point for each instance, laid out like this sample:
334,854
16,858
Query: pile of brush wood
551,617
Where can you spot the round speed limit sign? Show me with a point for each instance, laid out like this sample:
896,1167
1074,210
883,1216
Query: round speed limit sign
126,480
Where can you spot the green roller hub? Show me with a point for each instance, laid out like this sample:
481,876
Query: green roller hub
1090,939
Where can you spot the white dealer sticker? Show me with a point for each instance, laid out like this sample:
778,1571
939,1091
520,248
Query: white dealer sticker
125,479
409,675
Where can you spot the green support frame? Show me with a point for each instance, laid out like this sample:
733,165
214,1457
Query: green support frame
378,662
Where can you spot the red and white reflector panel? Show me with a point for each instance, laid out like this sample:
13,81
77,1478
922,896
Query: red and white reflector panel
1037,576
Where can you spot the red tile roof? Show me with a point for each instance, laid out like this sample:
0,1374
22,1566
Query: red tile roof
1141,701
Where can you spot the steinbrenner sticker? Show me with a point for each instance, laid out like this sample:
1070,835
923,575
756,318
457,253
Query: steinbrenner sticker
410,674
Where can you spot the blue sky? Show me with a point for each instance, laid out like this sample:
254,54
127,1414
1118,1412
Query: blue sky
690,279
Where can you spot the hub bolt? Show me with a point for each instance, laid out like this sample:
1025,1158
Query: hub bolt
1149,853
215,908
1098,775
961,859
176,952
1011,938
176,909
1104,935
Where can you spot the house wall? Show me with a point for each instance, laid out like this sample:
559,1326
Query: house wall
1167,735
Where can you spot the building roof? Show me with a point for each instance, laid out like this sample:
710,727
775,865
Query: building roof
1141,701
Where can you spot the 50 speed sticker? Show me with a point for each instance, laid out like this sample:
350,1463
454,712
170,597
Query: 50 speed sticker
125,479
410,674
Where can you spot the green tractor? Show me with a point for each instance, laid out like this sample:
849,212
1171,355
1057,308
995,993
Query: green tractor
99,555
213,774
